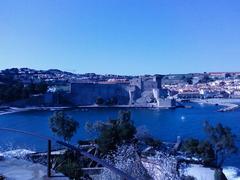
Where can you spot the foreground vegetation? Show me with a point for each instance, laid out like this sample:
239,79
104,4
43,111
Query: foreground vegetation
213,151
12,90
120,143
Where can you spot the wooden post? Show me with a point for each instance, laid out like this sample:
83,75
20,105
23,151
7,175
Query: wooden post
49,164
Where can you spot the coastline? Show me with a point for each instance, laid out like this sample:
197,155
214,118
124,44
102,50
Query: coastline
227,104
10,110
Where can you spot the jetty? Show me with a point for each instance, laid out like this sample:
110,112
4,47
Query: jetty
227,104
230,107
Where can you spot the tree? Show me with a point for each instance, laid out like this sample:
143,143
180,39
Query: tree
41,88
100,101
202,149
114,132
12,90
222,140
188,79
112,101
228,75
63,125
205,78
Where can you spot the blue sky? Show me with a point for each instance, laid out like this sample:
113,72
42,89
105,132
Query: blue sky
121,36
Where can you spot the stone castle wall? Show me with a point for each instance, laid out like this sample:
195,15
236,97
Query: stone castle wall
138,92
87,93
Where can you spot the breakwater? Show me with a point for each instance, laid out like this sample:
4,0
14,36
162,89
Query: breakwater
226,104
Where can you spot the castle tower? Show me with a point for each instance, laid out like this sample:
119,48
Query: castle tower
158,80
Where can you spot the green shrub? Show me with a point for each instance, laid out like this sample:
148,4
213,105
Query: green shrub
222,140
202,149
114,132
112,101
63,125
100,101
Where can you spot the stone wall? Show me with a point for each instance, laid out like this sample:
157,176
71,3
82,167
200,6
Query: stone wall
87,93
148,91
167,103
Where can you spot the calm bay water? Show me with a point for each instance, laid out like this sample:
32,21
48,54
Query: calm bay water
163,124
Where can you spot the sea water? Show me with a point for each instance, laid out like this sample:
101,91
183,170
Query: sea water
164,124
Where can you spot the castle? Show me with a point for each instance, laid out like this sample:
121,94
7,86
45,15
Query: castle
145,91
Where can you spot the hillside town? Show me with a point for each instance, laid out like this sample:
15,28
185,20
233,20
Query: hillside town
57,88
206,85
